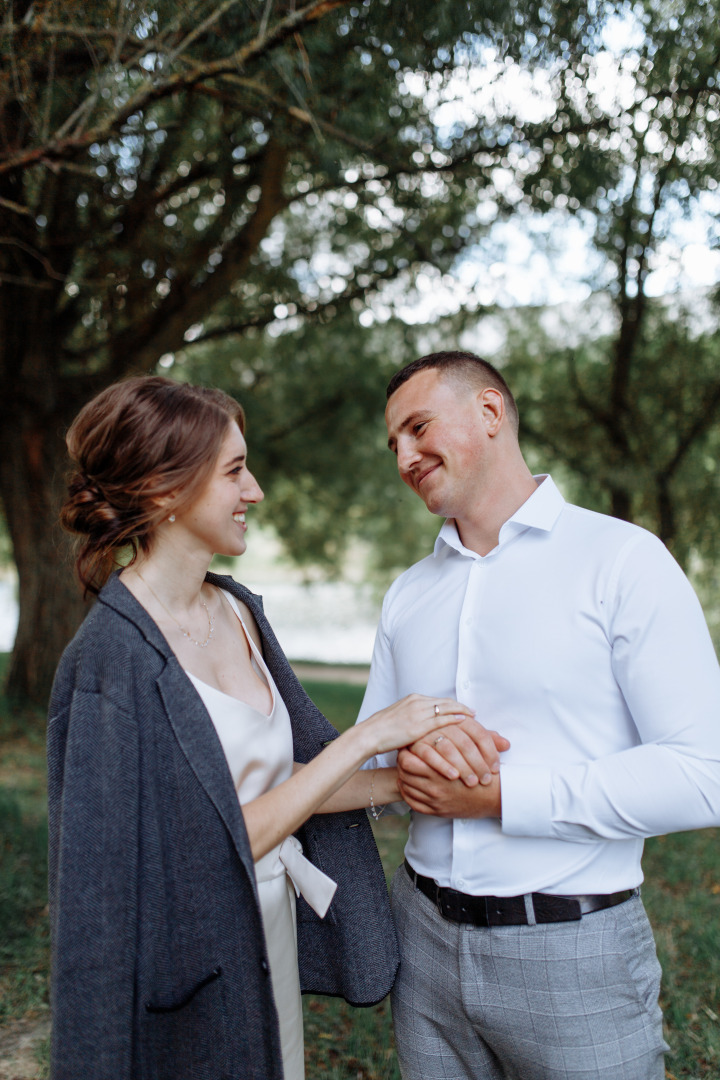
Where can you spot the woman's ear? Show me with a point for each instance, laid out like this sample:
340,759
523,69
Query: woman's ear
166,503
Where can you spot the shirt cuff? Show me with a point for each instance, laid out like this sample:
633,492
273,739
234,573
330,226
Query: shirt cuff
526,800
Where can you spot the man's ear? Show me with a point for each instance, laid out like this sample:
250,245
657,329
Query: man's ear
492,407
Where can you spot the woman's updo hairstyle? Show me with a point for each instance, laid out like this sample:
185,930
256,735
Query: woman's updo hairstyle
142,449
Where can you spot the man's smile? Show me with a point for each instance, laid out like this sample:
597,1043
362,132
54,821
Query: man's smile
424,473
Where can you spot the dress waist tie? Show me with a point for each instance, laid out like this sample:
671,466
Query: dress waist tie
309,882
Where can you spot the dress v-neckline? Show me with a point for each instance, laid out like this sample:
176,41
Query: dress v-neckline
259,663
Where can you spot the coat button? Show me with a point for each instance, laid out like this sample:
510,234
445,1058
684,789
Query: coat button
264,965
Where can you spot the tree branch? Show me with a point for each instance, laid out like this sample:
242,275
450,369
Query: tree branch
162,330
35,254
70,146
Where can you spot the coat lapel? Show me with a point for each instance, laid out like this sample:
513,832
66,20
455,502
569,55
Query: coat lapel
189,720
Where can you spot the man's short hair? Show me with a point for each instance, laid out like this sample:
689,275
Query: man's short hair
464,368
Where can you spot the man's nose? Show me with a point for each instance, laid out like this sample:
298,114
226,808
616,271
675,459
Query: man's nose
407,455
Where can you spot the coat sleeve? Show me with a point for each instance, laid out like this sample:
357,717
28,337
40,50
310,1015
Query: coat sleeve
93,803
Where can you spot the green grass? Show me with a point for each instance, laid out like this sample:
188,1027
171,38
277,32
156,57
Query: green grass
24,939
682,896
339,701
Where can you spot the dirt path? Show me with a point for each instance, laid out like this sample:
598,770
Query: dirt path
19,1041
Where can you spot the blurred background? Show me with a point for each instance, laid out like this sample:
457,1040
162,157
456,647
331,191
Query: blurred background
291,202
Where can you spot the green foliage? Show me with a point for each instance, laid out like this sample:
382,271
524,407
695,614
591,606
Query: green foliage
628,413
661,450
236,193
172,173
178,169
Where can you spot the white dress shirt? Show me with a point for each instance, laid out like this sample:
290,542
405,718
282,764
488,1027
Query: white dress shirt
580,639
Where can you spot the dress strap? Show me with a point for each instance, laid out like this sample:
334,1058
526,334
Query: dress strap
258,660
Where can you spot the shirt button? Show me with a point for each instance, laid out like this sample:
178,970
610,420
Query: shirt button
466,684
468,621
461,882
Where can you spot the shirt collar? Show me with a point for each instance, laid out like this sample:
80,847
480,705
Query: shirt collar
540,511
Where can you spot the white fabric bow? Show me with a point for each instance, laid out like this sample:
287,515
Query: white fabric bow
309,882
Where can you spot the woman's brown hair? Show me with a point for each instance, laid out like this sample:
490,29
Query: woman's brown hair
142,448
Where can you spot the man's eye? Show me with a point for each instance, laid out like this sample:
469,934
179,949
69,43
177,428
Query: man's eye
418,427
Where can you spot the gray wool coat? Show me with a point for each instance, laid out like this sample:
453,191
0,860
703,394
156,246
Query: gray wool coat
159,965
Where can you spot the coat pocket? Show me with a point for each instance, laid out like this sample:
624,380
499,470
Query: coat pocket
185,1031
174,1003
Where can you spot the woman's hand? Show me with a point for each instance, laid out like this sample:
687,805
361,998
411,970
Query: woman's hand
410,719
271,817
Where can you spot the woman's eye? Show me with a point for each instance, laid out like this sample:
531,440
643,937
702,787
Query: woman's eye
418,427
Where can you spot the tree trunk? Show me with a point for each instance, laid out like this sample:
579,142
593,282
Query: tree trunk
621,503
666,512
32,472
36,406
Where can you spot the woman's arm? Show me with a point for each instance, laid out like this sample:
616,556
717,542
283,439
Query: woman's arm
272,817
355,792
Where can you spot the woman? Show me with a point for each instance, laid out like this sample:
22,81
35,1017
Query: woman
175,947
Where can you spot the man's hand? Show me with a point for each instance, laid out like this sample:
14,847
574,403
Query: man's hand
466,750
426,791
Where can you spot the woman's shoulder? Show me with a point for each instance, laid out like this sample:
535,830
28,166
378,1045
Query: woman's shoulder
105,655
253,601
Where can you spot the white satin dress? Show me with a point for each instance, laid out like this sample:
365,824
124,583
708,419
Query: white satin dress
259,752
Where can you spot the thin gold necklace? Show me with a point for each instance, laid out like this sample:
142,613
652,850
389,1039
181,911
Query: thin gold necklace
211,623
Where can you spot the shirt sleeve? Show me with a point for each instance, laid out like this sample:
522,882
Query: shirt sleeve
665,665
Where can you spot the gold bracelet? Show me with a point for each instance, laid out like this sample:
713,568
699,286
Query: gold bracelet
373,809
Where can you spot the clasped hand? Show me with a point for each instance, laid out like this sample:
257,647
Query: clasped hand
453,772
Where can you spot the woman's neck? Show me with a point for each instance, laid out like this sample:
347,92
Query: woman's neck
174,577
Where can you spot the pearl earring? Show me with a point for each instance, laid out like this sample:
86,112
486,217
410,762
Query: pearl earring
171,518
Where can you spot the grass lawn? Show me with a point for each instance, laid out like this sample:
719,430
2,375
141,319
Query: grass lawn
682,896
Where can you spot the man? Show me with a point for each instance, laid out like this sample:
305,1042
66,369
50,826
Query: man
525,949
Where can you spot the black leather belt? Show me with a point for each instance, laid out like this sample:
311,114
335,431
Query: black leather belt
511,910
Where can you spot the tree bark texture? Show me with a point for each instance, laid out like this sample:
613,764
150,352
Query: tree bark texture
32,474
